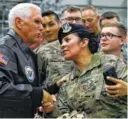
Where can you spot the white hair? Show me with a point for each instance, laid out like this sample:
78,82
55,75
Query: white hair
22,10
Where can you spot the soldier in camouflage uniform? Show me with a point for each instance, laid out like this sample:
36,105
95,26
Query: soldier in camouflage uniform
111,17
84,91
52,64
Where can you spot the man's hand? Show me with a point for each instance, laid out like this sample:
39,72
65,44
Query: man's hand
47,102
61,81
119,89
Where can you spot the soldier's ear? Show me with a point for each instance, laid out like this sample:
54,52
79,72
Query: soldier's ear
59,23
84,42
122,41
19,22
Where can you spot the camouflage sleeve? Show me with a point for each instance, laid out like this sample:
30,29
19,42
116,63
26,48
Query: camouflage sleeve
62,101
121,69
118,63
42,66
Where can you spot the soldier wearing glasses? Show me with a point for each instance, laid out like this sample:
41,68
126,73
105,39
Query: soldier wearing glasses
71,14
112,38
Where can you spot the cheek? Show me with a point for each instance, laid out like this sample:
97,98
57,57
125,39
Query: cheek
55,29
74,49
117,43
94,24
31,33
113,42
30,30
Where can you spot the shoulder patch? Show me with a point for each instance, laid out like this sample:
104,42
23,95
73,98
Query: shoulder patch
3,59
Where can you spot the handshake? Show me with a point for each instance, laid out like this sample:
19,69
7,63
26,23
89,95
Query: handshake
48,103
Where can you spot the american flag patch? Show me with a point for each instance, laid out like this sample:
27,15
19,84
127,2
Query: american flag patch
3,59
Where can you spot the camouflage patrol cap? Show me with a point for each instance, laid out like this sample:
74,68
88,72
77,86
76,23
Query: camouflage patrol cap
69,28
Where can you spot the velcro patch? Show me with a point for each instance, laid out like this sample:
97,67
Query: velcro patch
3,59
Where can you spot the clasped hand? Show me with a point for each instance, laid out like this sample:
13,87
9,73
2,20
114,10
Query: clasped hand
48,103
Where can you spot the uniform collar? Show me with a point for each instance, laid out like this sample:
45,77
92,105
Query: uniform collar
17,39
95,62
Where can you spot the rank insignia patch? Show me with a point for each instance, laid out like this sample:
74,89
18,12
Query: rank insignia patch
66,28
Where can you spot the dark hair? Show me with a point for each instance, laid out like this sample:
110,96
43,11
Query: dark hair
109,15
93,43
47,13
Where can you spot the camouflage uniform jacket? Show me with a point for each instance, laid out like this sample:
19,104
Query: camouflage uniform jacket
85,91
53,64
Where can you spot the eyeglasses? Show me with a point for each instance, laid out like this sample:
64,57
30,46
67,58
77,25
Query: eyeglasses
108,36
90,20
71,19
